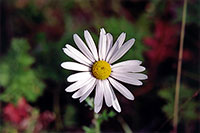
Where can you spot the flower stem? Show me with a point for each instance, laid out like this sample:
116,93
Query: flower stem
97,123
178,77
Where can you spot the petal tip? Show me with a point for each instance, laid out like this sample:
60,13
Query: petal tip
62,65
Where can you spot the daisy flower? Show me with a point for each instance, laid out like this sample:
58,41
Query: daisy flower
97,71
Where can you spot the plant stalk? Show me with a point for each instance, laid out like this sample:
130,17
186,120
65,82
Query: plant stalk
178,77
97,123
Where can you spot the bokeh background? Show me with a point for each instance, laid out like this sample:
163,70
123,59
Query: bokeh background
32,83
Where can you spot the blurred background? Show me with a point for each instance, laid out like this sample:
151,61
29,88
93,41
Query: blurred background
32,83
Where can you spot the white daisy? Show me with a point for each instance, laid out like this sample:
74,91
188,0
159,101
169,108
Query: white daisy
97,72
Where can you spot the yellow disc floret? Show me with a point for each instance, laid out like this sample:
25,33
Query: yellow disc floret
101,70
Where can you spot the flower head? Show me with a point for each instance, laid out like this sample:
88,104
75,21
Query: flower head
97,72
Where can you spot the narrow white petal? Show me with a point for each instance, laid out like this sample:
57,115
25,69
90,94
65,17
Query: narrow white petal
116,105
101,42
78,76
83,97
127,63
122,89
98,100
107,93
81,45
78,53
99,93
84,89
116,46
97,108
77,85
115,102
75,66
109,42
126,79
123,69
91,44
104,47
139,76
75,57
121,39
122,50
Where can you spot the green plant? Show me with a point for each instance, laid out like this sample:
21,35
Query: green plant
17,77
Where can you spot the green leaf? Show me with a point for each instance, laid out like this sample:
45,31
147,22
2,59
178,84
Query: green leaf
88,130
17,76
187,109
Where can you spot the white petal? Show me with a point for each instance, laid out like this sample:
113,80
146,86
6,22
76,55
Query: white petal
77,53
115,102
77,85
99,93
116,46
122,50
91,44
81,45
122,89
75,66
75,57
102,43
109,42
127,68
84,89
83,97
138,76
107,93
127,63
126,79
104,47
121,39
97,108
116,105
78,76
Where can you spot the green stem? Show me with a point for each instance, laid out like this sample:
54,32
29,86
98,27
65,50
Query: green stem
124,125
178,77
97,123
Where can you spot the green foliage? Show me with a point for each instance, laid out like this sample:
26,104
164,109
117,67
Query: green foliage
69,116
187,106
192,13
88,129
31,12
137,30
90,102
16,74
50,55
105,116
98,118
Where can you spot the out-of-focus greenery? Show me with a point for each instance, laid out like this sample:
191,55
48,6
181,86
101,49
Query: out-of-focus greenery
98,118
192,10
17,76
188,106
138,30
70,116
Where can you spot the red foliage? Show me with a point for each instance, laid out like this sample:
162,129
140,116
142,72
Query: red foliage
163,42
43,121
21,116
17,114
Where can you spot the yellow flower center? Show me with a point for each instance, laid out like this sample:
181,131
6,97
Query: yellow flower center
101,70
